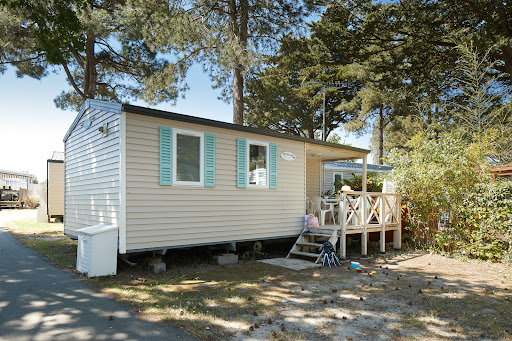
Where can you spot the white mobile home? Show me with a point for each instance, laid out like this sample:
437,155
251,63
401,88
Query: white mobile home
169,180
337,171
55,186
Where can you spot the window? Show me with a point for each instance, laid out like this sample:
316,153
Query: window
258,164
337,180
188,165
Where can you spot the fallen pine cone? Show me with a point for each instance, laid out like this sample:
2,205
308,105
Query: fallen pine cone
344,317
251,328
255,313
111,318
283,329
274,334
269,321
256,325
410,303
325,302
361,299
419,291
334,290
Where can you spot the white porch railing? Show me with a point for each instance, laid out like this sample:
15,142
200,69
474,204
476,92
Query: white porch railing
364,212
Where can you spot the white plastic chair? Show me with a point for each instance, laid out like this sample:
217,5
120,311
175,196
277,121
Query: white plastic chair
309,207
322,207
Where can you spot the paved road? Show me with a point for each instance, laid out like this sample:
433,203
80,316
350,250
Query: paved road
38,301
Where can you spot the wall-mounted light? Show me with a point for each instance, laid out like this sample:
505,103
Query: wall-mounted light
104,129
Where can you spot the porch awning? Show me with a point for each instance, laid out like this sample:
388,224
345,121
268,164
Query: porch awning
326,151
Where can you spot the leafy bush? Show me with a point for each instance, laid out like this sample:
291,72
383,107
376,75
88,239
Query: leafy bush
489,220
30,201
435,177
373,183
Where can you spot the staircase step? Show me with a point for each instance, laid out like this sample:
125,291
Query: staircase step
309,244
317,234
306,254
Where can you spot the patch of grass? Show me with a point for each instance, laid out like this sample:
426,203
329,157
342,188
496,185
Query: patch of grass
208,301
412,321
47,239
289,336
491,313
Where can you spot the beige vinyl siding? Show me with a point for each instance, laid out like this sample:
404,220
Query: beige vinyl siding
55,189
179,215
313,177
92,170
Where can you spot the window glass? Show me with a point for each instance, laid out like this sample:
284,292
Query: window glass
257,165
188,165
338,179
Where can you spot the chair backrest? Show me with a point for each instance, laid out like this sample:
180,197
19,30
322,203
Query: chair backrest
317,202
309,208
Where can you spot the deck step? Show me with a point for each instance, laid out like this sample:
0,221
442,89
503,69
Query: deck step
316,234
309,244
305,254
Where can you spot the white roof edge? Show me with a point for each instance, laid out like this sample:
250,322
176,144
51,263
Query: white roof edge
94,104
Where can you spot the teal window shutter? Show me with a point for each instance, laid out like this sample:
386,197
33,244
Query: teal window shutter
241,163
273,166
165,156
209,160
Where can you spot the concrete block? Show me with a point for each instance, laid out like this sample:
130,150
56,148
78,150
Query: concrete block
42,216
158,267
227,258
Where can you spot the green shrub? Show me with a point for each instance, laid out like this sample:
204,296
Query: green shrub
435,177
489,221
373,183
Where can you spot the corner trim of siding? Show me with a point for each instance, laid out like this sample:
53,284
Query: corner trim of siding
122,183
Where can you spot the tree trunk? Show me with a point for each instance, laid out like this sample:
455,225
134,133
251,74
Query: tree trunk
90,74
238,96
381,134
239,18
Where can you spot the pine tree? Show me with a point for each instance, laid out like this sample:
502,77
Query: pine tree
98,45
226,37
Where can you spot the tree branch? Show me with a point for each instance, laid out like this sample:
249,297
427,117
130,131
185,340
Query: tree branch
72,81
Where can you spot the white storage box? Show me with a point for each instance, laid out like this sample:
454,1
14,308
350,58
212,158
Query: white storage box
97,250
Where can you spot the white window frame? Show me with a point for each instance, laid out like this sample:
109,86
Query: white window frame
248,157
175,133
334,178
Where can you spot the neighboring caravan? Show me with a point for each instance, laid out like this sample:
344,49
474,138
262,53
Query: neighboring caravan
169,180
339,171
55,186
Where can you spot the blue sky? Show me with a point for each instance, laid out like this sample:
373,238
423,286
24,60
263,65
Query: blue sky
32,127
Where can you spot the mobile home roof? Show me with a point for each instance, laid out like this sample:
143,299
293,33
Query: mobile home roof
218,124
134,109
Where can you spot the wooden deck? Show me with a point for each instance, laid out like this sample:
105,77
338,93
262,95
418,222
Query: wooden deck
365,212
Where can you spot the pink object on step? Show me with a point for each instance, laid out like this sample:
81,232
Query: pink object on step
312,221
